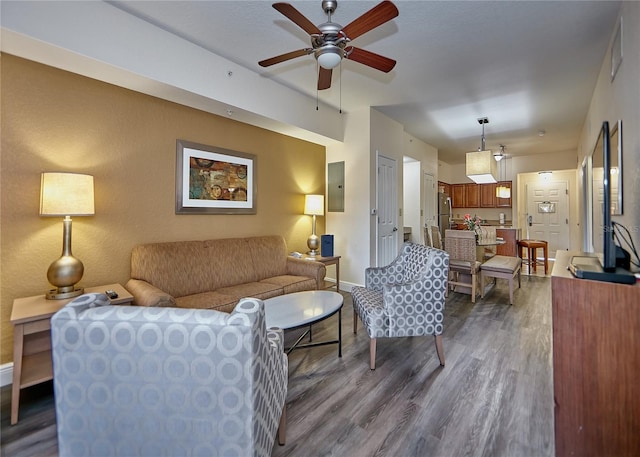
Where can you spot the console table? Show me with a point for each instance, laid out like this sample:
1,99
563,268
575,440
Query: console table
31,319
596,364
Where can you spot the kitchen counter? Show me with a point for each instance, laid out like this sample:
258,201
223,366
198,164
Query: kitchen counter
488,223
459,225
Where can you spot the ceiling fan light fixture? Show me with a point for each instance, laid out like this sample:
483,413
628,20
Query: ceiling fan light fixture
329,56
498,156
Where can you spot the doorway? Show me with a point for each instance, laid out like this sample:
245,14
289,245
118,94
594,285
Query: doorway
387,208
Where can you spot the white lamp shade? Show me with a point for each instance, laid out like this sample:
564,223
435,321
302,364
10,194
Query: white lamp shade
314,205
329,57
66,194
481,167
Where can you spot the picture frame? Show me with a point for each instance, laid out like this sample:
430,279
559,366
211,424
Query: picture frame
213,180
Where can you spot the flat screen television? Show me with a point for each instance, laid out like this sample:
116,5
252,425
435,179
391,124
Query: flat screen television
601,225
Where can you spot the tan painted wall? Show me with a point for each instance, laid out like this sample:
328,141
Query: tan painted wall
57,121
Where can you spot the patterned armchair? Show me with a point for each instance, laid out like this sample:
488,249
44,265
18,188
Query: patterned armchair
132,380
404,298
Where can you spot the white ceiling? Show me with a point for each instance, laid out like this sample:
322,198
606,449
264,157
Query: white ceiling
526,65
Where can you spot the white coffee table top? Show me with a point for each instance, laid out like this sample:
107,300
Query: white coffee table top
301,308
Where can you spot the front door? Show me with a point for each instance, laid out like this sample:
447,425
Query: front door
387,205
548,214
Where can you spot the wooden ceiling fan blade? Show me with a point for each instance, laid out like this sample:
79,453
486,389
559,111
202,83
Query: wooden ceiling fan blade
285,57
324,78
378,15
297,18
371,59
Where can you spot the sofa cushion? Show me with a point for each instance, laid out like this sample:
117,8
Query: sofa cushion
208,300
178,268
291,284
269,254
259,290
230,261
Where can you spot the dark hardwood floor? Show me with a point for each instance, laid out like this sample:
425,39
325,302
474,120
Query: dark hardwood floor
494,397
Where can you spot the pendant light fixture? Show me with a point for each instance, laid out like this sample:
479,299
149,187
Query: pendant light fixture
481,166
502,191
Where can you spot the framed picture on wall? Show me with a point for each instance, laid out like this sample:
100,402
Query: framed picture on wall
212,180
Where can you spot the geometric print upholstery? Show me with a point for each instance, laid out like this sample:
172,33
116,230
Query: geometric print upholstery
406,297
132,380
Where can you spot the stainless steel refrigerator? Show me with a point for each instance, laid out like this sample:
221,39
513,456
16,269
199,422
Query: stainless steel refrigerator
445,218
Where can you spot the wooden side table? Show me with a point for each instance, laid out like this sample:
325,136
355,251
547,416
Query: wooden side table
334,260
31,319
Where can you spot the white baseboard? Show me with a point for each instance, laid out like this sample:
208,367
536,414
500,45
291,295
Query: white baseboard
6,374
346,286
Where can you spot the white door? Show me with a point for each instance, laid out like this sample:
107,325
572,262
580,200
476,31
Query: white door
548,215
430,198
387,204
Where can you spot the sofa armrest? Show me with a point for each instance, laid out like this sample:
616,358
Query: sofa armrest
144,294
308,268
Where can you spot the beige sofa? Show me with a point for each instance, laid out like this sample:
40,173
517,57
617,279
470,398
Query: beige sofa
216,274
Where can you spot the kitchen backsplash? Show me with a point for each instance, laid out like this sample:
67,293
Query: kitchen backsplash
491,215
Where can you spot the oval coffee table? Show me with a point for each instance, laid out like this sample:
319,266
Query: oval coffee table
303,309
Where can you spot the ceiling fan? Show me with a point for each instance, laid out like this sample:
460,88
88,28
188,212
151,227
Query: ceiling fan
331,42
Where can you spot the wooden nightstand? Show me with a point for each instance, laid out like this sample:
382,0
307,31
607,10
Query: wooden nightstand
31,319
334,260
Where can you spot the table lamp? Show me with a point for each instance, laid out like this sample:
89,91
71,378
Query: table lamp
66,194
313,206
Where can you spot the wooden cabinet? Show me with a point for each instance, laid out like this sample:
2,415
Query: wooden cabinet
511,237
472,193
487,196
444,187
596,364
458,197
503,202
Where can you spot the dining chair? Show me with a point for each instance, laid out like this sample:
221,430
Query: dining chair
436,239
464,267
427,237
488,234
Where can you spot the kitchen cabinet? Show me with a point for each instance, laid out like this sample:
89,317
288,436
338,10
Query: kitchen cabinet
503,202
472,195
487,196
458,198
444,187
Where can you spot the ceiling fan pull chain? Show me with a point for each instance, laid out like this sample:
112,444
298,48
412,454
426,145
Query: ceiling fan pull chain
340,82
317,69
